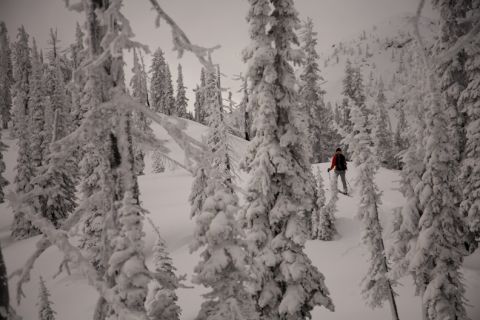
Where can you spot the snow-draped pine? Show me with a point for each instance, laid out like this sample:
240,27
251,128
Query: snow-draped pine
36,106
223,265
437,254
382,135
279,201
199,105
321,137
157,82
323,219
22,69
376,285
45,309
181,102
161,302
3,182
168,99
138,83
6,76
405,223
470,166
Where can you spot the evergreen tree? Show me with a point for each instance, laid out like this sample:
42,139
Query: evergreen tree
77,56
399,141
182,100
25,171
320,134
36,106
470,166
200,107
3,181
45,311
223,259
353,91
6,76
280,191
199,186
161,303
139,93
158,165
157,86
382,136
22,69
53,186
323,220
376,285
168,100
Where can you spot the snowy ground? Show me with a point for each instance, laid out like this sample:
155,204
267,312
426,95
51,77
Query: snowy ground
165,195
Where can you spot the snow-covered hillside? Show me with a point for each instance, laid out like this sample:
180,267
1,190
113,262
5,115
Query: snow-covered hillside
377,51
165,196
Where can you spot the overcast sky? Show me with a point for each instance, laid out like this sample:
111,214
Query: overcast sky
206,22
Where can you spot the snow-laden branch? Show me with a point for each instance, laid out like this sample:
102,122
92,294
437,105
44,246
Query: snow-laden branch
60,239
459,45
181,41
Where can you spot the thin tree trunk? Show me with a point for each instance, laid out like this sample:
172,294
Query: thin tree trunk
4,297
391,294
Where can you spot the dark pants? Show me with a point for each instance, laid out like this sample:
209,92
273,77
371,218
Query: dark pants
341,173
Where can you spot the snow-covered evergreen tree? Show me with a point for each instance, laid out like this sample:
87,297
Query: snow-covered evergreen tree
53,186
405,228
127,262
199,105
382,136
322,138
22,69
353,91
400,143
157,86
45,311
158,163
323,220
25,171
36,106
139,93
161,303
6,76
470,167
435,255
279,201
199,187
376,285
222,268
78,55
169,99
3,182
181,101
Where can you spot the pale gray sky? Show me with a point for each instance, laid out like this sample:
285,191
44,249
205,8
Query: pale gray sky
206,22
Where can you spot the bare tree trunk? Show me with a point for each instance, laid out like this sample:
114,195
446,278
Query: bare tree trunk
391,294
4,297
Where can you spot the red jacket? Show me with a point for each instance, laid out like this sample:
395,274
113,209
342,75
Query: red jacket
334,162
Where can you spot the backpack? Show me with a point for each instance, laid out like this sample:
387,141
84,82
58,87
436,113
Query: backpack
340,162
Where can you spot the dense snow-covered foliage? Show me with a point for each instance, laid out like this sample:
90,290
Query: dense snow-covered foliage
280,189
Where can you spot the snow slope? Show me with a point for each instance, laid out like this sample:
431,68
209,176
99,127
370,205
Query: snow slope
378,52
165,196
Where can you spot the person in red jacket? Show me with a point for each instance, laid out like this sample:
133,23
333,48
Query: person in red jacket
339,163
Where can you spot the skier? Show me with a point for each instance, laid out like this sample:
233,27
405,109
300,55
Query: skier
340,164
